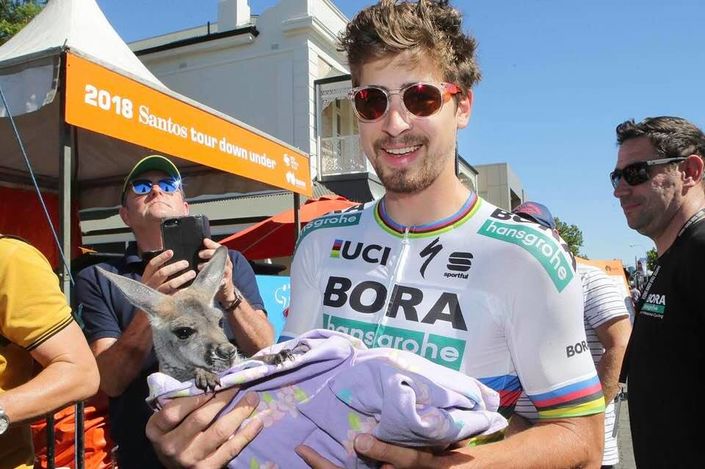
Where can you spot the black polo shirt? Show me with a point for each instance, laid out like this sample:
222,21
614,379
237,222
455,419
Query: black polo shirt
666,359
106,314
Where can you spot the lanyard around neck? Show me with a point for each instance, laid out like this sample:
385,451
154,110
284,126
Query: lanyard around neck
698,216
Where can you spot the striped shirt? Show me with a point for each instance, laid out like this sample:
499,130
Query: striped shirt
603,303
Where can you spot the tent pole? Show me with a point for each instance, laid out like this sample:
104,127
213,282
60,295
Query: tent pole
297,218
65,170
68,161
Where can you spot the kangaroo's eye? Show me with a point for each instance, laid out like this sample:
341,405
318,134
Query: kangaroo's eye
221,323
184,332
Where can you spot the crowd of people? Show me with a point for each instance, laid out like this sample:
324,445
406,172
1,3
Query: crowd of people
519,318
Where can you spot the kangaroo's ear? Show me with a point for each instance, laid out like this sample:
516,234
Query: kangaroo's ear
137,293
208,280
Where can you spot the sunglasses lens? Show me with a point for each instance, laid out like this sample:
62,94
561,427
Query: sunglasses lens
422,99
370,103
141,187
615,177
144,186
169,185
634,174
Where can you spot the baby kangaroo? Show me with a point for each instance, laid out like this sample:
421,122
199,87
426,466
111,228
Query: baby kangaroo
187,327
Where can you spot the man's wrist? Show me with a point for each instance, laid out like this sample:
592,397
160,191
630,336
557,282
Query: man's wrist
233,304
4,421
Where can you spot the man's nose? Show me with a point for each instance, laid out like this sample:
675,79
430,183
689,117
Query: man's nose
397,119
156,189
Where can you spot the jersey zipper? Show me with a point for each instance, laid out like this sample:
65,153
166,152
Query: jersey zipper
393,280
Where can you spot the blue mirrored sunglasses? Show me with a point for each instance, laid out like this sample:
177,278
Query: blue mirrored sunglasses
144,186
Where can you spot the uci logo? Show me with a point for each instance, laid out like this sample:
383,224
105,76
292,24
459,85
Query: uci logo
371,253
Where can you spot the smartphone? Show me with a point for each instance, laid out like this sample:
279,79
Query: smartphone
149,255
184,236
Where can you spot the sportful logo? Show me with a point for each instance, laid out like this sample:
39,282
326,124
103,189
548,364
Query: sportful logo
544,248
458,262
654,305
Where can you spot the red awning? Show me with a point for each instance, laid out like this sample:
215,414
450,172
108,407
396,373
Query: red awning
275,236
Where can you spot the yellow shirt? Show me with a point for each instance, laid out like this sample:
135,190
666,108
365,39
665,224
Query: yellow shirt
32,310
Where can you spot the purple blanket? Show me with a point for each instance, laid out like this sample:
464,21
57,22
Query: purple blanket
335,388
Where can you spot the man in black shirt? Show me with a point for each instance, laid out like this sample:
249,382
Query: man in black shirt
658,180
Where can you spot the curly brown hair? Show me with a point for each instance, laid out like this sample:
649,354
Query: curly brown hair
427,28
671,136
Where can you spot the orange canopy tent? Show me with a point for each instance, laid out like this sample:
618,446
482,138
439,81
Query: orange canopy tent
86,110
79,109
276,236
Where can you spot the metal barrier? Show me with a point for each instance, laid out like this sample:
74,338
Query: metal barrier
79,438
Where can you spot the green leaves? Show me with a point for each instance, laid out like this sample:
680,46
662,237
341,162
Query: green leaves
15,14
572,235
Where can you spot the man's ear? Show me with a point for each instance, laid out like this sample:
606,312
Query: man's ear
693,170
125,216
462,114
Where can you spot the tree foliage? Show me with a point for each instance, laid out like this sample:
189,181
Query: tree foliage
15,14
651,258
572,235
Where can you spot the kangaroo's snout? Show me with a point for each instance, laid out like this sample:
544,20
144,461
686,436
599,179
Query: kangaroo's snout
226,351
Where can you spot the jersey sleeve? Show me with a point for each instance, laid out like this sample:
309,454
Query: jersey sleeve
548,345
32,305
306,300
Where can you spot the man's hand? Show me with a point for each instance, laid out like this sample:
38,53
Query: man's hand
391,456
156,274
185,434
226,294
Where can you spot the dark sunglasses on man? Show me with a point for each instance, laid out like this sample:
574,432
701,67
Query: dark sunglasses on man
144,186
638,172
371,103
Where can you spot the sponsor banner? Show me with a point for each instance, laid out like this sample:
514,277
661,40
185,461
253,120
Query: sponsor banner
544,248
655,309
442,350
275,291
331,221
103,101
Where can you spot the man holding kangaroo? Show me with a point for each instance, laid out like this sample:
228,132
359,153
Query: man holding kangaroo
119,334
511,322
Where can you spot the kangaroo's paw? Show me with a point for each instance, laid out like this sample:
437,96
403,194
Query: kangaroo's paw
206,380
277,358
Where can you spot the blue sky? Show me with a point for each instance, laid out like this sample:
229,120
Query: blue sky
558,76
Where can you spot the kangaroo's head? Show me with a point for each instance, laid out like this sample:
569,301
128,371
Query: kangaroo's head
187,328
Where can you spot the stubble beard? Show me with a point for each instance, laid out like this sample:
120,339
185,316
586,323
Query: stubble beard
411,179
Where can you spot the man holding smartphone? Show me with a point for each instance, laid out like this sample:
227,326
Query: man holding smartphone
120,336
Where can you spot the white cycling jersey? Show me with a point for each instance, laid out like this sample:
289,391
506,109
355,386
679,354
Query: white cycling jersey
483,291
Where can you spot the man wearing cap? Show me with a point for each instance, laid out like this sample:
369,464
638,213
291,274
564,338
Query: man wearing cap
607,327
119,335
